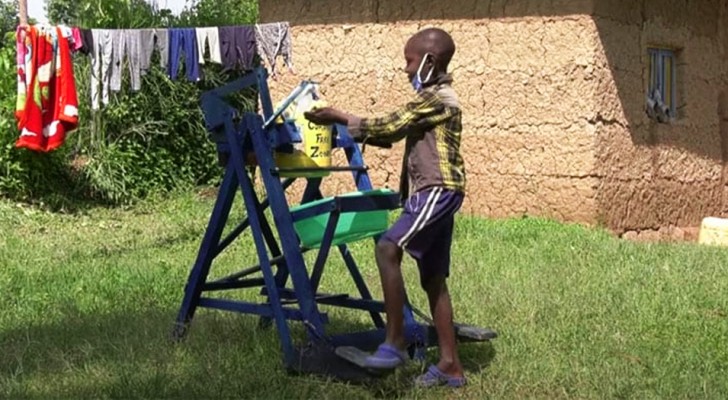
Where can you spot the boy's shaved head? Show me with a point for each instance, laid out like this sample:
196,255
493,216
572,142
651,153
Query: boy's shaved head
436,42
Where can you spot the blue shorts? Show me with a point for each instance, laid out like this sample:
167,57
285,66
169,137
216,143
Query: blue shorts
425,229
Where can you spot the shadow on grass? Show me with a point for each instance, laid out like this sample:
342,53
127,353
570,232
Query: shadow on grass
61,200
396,384
180,236
475,357
132,355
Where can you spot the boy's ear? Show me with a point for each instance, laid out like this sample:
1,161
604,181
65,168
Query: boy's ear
432,61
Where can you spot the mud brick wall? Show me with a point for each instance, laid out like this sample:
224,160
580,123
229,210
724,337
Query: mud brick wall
553,99
656,175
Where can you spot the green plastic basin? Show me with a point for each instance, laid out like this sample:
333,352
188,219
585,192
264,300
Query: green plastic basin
351,227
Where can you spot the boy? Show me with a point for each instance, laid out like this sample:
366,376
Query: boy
433,168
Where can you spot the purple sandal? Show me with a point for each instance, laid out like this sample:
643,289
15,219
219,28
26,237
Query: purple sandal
386,357
435,377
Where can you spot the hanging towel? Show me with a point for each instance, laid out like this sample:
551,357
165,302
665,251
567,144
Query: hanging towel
101,56
22,54
237,46
212,36
47,106
184,41
25,40
65,31
274,39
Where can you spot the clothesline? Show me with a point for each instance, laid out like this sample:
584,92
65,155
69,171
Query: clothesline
47,106
233,47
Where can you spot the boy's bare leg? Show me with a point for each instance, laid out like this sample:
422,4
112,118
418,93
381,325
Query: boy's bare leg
442,314
389,260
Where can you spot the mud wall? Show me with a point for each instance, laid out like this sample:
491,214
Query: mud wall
659,175
524,72
553,94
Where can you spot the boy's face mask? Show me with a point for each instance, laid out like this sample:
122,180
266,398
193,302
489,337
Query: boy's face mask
417,80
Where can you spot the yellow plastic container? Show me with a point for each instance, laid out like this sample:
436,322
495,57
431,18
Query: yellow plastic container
297,159
314,151
316,138
714,231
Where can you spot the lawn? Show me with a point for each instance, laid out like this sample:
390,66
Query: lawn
88,299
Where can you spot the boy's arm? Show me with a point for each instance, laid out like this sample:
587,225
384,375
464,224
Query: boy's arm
423,112
426,109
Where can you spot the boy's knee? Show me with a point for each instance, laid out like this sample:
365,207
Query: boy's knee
433,283
388,254
385,248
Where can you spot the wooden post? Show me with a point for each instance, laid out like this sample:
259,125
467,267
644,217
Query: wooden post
23,11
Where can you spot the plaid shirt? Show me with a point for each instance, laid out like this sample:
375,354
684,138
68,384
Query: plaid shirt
431,124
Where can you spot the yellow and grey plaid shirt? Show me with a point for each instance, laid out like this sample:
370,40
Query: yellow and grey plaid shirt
431,124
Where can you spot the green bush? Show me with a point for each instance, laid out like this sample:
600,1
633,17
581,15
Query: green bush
24,174
140,143
144,142
153,140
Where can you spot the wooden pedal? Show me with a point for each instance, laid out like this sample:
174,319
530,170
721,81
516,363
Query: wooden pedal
474,333
358,357
353,355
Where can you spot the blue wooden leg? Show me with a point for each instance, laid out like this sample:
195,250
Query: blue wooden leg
323,254
270,283
253,211
208,251
361,285
281,267
286,232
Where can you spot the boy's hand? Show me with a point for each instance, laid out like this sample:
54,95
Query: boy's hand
326,116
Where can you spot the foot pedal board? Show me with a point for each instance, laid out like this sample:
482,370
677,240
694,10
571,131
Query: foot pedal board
468,333
474,333
353,355
319,359
358,357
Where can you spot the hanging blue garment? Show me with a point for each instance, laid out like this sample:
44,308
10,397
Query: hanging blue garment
183,41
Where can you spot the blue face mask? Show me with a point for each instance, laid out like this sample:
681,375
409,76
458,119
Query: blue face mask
416,84
417,80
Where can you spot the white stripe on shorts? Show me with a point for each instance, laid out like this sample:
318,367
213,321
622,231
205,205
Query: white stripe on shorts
422,219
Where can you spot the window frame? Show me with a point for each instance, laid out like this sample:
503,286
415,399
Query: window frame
662,74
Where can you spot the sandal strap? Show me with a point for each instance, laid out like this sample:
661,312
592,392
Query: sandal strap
436,373
385,348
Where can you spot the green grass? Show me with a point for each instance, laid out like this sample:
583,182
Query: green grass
87,302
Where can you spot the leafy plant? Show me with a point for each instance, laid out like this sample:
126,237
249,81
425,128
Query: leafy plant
141,143
8,18
24,174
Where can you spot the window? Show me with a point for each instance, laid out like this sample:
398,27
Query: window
661,95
